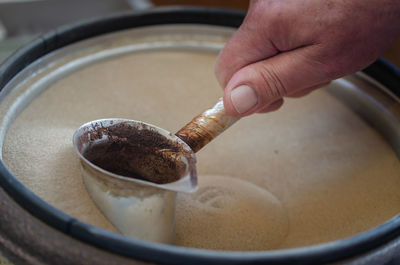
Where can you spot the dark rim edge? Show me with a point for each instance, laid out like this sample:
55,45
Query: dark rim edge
386,74
381,70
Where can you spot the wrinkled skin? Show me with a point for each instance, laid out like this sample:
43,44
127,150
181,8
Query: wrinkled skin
287,48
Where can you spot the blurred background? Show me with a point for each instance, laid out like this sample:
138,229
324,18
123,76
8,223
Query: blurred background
23,20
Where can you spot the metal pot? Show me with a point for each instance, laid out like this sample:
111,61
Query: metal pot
34,232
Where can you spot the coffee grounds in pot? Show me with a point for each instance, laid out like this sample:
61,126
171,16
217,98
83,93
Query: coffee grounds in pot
139,153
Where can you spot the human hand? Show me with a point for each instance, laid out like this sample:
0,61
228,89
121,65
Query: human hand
287,48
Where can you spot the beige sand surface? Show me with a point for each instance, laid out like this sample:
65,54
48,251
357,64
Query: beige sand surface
332,173
242,215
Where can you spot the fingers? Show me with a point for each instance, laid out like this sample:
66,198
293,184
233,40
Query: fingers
247,45
256,86
277,104
254,73
289,48
274,106
306,91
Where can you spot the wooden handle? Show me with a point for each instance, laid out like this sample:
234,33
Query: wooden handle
206,126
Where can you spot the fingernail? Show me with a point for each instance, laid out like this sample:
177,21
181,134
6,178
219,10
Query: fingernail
243,98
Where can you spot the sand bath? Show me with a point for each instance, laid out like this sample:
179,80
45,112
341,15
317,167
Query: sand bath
329,171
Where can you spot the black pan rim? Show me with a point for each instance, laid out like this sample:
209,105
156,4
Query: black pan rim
382,71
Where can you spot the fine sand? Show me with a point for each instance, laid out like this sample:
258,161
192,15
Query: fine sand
311,172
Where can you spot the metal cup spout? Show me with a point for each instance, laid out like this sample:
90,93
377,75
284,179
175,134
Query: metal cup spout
143,207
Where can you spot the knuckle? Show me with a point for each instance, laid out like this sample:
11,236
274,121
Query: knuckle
267,15
272,85
330,64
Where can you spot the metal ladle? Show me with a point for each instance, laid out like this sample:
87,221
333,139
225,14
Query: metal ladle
132,169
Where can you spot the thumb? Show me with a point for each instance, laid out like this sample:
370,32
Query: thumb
256,86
